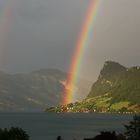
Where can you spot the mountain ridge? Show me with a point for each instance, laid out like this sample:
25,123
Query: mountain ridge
33,91
119,82
117,89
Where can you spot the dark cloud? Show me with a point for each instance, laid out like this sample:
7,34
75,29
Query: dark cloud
43,34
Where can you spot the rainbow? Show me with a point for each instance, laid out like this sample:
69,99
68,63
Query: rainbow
6,17
82,44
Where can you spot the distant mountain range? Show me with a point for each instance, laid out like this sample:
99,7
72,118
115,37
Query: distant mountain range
116,90
36,90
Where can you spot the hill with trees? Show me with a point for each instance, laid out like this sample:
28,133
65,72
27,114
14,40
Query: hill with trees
117,89
36,90
119,82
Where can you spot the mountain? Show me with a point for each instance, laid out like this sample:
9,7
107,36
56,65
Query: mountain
121,83
34,91
117,89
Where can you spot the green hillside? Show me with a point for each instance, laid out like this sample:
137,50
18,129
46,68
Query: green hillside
122,84
100,104
116,90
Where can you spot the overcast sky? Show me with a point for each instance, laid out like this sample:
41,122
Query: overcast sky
43,33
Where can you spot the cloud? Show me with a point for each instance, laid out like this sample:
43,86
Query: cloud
43,34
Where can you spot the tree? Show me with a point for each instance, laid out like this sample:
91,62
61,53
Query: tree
13,134
59,138
133,129
104,136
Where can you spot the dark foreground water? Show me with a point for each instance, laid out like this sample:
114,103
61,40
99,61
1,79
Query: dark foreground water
46,126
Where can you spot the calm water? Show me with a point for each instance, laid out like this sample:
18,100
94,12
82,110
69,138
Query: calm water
45,126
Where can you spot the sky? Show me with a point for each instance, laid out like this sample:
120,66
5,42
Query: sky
43,33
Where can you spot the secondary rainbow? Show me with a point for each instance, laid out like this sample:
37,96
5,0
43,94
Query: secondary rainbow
6,18
83,43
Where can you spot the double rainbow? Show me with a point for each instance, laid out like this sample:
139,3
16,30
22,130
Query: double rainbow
82,44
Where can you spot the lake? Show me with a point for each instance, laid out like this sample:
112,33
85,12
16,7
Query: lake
47,126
